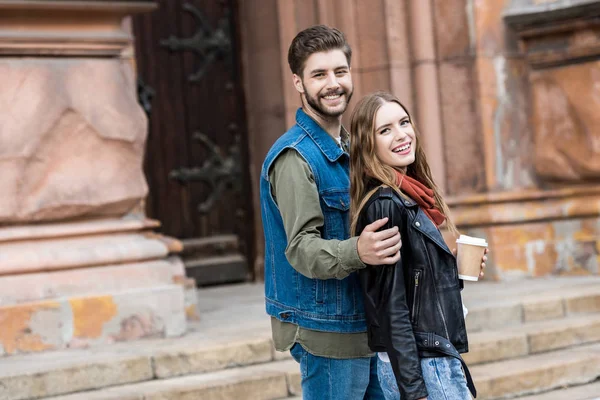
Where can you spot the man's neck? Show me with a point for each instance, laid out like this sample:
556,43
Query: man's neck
331,125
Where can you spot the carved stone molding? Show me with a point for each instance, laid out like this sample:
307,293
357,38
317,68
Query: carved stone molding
529,206
556,32
66,28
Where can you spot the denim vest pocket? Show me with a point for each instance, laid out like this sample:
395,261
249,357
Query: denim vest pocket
336,206
338,199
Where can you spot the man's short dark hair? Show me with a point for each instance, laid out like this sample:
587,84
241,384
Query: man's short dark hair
313,40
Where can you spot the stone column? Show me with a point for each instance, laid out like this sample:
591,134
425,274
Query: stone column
79,263
537,98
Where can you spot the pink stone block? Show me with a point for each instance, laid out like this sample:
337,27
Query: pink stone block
109,278
71,139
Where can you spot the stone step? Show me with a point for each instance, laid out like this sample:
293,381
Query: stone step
54,373
93,319
59,372
226,268
234,332
583,392
78,229
537,373
68,253
258,382
108,278
281,379
496,305
532,338
215,350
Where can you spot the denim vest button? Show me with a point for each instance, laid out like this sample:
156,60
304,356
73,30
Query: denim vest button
417,224
407,203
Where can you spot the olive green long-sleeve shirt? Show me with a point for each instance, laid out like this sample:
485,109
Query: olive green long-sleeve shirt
295,191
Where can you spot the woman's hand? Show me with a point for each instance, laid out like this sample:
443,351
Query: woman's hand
483,260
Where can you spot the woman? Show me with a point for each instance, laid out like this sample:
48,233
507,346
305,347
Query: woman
414,308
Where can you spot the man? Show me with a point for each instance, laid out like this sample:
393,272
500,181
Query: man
312,293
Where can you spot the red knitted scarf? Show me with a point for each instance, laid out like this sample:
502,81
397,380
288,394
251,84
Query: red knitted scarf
422,195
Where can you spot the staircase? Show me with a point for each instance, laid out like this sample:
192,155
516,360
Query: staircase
532,340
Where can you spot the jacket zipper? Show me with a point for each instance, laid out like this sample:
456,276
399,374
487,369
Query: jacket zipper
439,306
414,305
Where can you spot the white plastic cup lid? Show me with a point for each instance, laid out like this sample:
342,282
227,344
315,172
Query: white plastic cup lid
464,239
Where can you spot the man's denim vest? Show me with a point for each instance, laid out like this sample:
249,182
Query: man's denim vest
330,305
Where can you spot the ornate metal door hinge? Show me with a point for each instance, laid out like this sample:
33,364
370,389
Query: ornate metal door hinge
218,172
208,44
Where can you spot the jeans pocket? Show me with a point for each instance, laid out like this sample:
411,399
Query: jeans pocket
297,352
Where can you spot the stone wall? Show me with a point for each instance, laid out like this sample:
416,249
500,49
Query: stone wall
504,92
80,264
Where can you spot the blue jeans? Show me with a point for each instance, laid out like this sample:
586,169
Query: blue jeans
443,376
337,379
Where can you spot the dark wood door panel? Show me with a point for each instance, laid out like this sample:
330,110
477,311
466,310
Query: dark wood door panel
196,159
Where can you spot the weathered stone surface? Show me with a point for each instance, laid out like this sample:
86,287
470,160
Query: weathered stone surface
504,115
128,223
587,392
77,252
211,358
497,315
91,320
454,20
108,278
261,382
245,305
530,12
543,309
537,373
494,346
563,102
461,133
583,303
24,379
564,333
71,141
562,247
249,382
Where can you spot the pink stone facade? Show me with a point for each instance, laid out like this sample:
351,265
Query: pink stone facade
507,112
80,264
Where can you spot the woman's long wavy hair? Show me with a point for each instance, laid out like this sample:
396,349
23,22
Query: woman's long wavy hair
366,166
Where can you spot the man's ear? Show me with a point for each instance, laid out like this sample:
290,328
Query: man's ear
298,83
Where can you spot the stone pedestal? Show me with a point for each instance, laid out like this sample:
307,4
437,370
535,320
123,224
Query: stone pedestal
79,264
537,79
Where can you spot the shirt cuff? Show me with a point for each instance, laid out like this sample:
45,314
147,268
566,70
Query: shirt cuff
348,255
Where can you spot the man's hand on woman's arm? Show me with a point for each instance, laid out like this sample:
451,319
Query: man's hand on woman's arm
377,248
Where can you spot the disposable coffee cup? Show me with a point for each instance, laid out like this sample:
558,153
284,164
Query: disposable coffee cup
470,252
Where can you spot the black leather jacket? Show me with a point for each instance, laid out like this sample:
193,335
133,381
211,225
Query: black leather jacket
414,307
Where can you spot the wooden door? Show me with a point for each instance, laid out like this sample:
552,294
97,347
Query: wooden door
196,159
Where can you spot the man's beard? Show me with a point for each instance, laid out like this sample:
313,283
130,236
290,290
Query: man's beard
322,110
